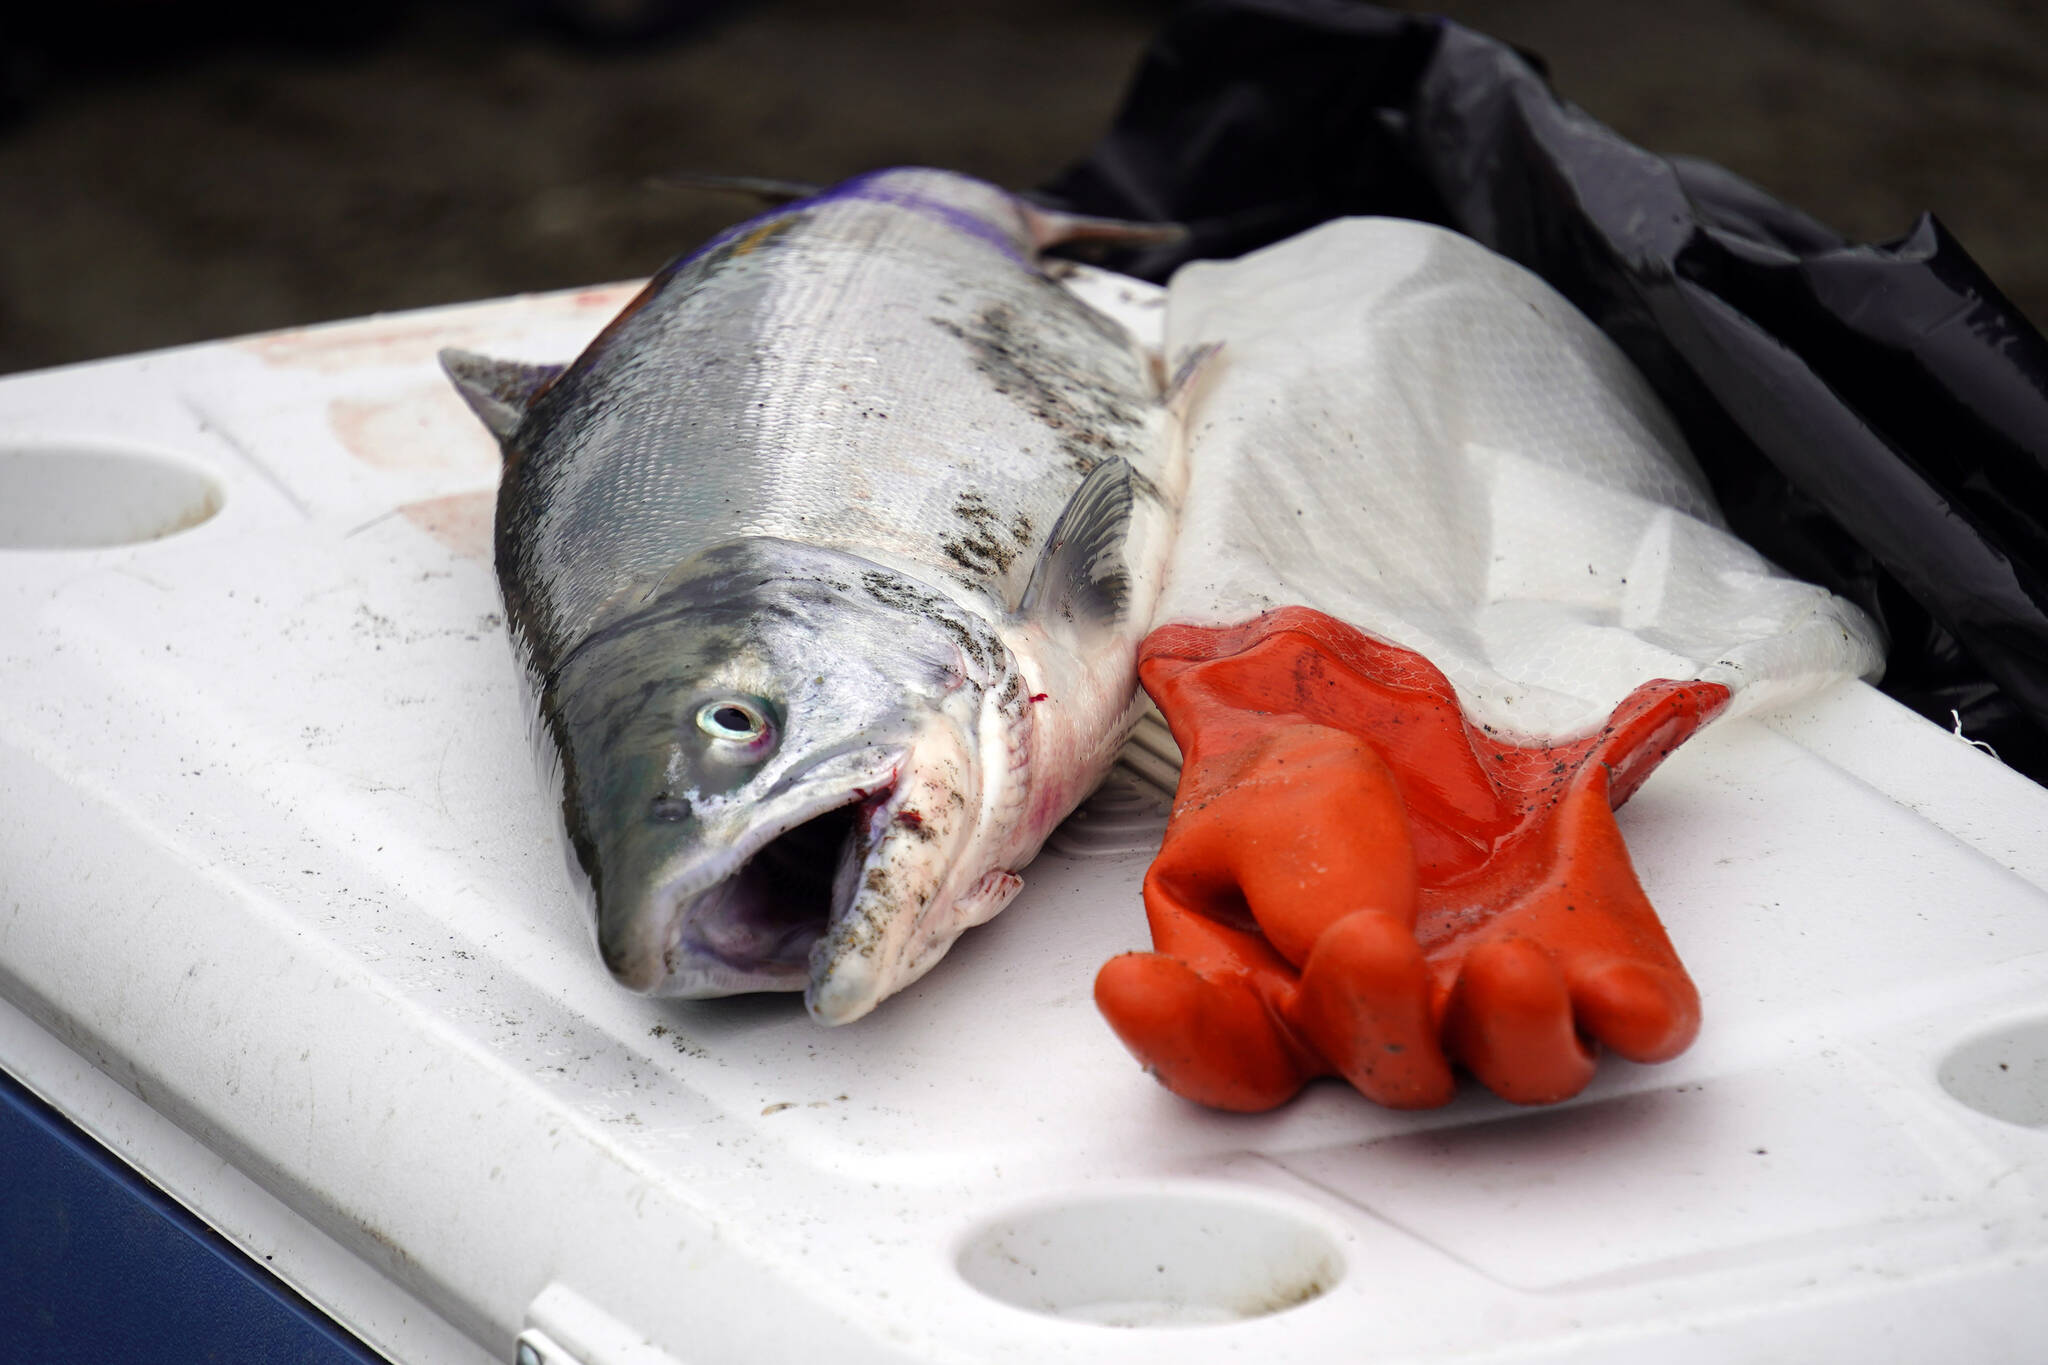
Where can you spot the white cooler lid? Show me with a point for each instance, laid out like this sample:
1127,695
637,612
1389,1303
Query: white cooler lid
282,920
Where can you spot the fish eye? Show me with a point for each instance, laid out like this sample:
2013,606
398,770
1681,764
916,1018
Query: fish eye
731,720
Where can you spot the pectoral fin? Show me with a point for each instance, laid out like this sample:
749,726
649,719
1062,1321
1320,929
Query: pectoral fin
1082,576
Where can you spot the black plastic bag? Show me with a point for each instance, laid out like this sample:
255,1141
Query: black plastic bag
1873,418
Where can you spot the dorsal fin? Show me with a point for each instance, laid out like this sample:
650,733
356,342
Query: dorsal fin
767,189
497,391
1081,576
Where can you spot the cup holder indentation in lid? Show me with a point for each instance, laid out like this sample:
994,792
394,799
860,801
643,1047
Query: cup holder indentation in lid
2002,1072
1154,1258
63,496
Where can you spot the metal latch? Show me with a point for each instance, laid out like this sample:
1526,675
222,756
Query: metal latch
564,1328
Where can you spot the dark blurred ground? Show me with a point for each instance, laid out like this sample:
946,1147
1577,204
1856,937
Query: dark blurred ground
178,175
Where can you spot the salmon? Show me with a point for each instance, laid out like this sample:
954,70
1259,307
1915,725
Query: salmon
826,564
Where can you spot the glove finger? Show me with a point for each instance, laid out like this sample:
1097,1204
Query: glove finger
1364,1004
1211,1041
1643,1011
1510,1023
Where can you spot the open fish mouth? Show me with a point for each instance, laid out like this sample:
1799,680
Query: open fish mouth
754,927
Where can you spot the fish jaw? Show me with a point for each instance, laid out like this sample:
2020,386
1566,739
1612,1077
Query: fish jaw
738,908
904,881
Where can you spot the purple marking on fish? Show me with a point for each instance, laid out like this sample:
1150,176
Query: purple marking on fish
961,220
863,189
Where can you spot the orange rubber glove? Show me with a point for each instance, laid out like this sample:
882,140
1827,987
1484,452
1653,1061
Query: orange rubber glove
1357,881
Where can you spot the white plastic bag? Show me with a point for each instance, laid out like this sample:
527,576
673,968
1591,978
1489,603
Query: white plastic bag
1416,436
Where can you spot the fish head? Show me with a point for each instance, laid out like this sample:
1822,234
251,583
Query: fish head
752,759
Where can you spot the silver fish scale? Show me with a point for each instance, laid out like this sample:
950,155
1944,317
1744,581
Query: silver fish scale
861,373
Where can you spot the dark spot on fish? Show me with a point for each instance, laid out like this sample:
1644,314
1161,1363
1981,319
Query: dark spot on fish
983,552
979,550
893,590
969,645
669,807
1091,418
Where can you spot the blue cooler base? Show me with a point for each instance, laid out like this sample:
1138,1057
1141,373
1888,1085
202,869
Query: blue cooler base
97,1265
